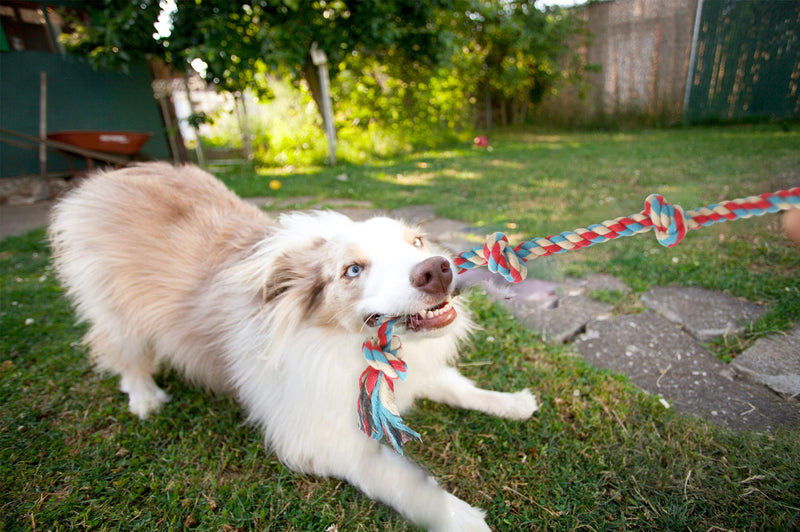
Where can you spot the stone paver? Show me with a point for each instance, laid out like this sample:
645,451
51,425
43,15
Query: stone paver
664,360
543,306
535,292
416,214
773,361
19,219
595,282
565,320
452,234
703,313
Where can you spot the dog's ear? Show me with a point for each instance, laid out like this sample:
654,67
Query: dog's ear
299,270
279,282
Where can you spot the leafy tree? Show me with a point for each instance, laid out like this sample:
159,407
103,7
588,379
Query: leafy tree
115,33
242,42
402,64
514,52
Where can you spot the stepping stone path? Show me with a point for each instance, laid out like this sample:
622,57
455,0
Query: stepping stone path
704,314
661,349
773,361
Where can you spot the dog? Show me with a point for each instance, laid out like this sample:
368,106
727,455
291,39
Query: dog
167,265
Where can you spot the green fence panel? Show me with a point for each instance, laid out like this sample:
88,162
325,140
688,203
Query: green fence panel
748,61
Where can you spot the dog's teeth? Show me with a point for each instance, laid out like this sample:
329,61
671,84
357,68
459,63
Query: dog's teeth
428,314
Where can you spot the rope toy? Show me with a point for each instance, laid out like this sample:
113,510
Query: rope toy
378,414
670,223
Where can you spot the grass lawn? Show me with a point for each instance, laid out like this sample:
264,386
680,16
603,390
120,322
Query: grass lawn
600,455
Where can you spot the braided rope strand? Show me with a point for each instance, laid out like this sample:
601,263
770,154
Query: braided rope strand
670,223
378,414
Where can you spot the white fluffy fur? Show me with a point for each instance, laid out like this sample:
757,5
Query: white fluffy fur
167,265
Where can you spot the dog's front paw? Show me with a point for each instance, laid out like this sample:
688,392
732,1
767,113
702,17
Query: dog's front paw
521,405
462,517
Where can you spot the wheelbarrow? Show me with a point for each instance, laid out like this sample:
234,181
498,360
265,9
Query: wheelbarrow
125,143
114,147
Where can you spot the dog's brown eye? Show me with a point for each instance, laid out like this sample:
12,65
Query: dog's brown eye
418,242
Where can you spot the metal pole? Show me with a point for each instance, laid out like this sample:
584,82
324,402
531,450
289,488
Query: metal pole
698,15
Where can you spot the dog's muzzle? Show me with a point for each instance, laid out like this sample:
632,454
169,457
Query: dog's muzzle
434,277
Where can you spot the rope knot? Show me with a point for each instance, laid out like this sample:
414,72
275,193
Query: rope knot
501,258
668,220
378,414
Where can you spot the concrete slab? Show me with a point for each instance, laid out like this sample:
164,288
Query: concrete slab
354,213
535,292
594,282
666,361
19,219
414,214
773,361
260,201
704,314
452,234
563,321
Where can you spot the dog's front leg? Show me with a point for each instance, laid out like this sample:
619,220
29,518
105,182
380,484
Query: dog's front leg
452,388
392,479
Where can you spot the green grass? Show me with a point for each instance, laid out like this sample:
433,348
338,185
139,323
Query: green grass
600,455
535,184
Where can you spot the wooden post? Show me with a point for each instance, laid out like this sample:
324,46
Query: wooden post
44,190
244,126
197,148
687,92
161,92
320,60
488,106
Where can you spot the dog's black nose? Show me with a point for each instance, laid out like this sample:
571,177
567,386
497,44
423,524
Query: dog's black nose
432,276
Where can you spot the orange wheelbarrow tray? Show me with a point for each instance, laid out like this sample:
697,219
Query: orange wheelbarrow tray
120,142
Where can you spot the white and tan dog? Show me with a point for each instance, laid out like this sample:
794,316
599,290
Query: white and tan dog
166,264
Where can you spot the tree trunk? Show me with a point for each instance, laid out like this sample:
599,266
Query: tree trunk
312,78
317,77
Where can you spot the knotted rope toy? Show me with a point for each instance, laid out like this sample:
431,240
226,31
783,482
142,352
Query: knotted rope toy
670,223
377,412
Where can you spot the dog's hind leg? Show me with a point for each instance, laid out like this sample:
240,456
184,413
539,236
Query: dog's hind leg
135,363
452,388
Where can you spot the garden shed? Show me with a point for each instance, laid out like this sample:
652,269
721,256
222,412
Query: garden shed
78,97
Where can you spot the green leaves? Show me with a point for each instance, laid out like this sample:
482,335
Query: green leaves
115,34
511,48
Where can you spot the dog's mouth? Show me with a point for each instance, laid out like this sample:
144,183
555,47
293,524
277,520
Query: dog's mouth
435,317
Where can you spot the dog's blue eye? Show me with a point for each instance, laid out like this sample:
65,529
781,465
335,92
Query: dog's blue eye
418,242
354,270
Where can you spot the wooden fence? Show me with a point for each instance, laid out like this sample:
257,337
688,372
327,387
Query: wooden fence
744,57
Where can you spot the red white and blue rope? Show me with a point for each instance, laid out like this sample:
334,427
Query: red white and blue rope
670,223
378,414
